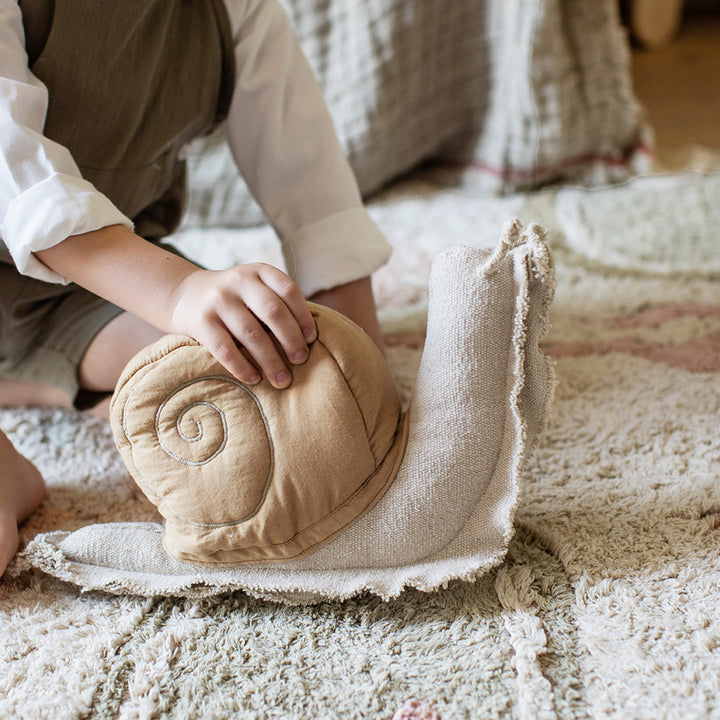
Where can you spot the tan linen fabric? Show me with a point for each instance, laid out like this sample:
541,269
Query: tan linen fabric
251,473
149,86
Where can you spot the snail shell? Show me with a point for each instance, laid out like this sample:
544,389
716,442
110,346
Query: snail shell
250,473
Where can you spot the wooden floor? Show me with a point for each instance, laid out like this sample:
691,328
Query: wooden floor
680,88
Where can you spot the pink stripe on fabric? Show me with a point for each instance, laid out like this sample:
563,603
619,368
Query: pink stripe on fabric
617,160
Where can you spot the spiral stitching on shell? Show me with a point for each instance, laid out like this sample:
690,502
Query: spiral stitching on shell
186,438
200,431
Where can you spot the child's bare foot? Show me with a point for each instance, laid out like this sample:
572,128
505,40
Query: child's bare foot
22,489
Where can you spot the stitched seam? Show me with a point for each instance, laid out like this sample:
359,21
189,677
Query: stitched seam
402,423
347,385
367,434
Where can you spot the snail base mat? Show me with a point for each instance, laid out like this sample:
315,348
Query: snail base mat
607,604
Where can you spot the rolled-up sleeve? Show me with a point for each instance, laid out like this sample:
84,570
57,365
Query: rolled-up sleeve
284,142
43,197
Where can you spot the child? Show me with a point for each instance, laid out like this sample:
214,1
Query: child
97,102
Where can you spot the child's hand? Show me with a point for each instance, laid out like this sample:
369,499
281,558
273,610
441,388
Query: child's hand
246,304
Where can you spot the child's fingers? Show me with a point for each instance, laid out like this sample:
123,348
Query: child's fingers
222,309
240,318
292,296
222,346
272,311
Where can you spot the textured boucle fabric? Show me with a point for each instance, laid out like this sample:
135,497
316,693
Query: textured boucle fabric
596,224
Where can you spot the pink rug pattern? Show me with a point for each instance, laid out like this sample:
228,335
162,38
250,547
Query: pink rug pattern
697,354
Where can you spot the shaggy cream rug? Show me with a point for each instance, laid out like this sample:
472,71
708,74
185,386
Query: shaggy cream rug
608,604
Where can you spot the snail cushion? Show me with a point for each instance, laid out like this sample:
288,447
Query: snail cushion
380,500
248,473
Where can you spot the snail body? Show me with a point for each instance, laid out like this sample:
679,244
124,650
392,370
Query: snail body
480,399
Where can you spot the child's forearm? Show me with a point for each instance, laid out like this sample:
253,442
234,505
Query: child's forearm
123,268
221,309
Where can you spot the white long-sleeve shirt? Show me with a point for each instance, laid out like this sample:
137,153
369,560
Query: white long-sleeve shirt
279,131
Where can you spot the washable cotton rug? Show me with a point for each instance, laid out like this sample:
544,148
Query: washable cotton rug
608,603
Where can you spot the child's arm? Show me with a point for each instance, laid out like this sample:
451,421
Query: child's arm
215,307
356,301
284,143
58,227
43,197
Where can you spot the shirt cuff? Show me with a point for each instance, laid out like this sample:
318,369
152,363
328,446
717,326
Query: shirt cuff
49,212
341,248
